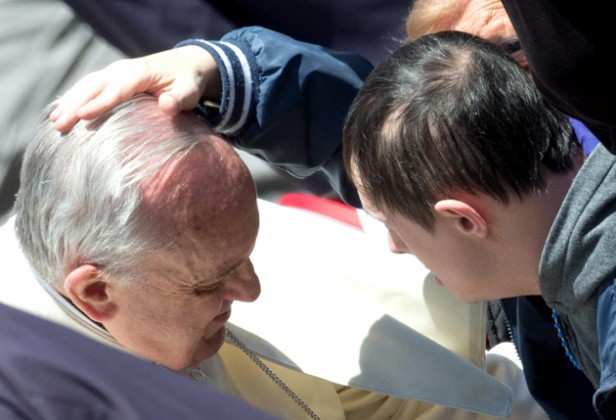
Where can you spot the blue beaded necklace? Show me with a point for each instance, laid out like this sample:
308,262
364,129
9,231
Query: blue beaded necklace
563,338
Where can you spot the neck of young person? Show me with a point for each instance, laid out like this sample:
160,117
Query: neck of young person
523,226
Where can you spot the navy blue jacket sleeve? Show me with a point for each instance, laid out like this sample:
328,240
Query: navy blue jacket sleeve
285,101
141,27
563,391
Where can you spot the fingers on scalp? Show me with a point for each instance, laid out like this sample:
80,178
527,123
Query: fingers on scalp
110,94
168,104
65,122
80,102
83,92
98,105
56,112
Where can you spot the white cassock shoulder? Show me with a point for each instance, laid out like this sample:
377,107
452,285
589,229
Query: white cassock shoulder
337,304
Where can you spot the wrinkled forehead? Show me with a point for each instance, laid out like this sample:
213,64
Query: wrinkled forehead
203,191
487,19
206,229
210,173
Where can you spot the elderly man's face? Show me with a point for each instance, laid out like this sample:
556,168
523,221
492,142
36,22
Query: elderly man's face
177,317
488,19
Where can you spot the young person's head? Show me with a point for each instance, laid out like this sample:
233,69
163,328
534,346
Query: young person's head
450,135
146,224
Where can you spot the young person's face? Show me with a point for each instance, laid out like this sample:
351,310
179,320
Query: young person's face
457,261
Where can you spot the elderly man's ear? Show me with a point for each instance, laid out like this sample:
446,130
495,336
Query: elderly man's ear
89,292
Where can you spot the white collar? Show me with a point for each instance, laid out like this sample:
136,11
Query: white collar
70,309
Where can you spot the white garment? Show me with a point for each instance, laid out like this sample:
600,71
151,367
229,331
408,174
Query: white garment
356,315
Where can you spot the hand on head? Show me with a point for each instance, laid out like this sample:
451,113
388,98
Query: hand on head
177,77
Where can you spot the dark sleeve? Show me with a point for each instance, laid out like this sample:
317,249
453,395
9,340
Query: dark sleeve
569,47
147,26
563,391
371,28
48,372
285,101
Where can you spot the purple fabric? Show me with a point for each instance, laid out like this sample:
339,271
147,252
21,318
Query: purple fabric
585,137
48,372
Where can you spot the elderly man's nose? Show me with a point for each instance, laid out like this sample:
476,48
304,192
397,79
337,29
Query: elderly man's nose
243,284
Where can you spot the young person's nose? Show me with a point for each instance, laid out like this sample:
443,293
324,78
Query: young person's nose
395,243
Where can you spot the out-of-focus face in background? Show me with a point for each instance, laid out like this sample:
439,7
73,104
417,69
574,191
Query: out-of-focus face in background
485,18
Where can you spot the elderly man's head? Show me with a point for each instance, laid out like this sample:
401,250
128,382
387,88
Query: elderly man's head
146,224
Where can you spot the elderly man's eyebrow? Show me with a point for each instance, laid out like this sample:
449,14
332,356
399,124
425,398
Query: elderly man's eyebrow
219,276
511,45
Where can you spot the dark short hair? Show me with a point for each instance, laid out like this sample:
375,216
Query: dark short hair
451,112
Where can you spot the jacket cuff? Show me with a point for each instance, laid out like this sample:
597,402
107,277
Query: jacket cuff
238,72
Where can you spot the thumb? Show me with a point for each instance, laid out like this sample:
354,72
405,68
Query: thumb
168,104
182,95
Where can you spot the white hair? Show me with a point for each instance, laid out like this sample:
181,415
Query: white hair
80,197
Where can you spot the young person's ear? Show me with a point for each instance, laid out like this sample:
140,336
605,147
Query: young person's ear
88,291
464,216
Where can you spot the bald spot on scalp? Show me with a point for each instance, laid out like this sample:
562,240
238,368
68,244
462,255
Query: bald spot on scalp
199,200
